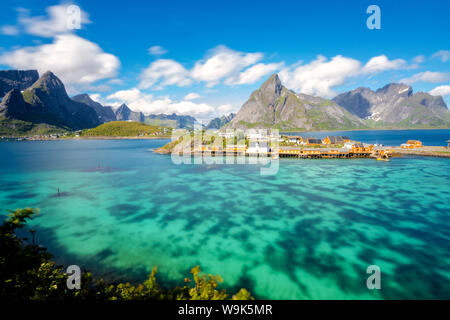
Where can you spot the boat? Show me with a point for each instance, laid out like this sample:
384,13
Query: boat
382,159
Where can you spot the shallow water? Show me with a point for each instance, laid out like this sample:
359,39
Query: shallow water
308,232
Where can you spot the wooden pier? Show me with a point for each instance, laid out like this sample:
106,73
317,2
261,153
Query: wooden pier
304,153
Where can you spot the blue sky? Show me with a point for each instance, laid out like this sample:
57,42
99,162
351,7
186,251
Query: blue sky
204,58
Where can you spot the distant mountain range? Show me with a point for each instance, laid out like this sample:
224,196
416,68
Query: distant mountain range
275,106
31,102
393,106
218,123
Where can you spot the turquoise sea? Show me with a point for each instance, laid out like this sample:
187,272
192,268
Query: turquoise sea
308,232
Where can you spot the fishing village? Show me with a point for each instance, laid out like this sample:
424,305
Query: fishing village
263,144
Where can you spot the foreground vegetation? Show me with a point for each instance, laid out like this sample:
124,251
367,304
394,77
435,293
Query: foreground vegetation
27,273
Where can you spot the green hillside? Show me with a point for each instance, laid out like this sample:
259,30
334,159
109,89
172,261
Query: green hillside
19,128
126,129
161,122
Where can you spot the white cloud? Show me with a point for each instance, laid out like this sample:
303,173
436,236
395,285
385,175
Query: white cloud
418,59
443,55
128,95
321,75
254,73
191,96
426,76
164,72
227,108
222,62
97,98
75,60
157,50
441,91
9,30
146,103
58,21
382,63
116,81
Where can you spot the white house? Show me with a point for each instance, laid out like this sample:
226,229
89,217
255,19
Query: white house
258,147
348,145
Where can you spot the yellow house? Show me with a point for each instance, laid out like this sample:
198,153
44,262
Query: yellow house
416,143
335,140
235,148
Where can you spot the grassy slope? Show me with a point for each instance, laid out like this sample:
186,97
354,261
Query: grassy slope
161,122
19,128
122,129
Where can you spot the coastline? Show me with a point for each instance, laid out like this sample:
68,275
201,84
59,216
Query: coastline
115,138
84,138
372,129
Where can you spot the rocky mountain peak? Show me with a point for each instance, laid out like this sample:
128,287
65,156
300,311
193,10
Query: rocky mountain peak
396,89
123,107
272,86
48,81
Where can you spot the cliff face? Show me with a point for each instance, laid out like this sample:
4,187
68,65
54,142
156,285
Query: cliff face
16,79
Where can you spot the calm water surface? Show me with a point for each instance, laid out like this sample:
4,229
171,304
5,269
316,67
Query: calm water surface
308,232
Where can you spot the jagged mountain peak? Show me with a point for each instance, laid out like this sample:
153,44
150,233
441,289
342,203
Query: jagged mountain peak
400,89
49,81
272,85
123,112
123,107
